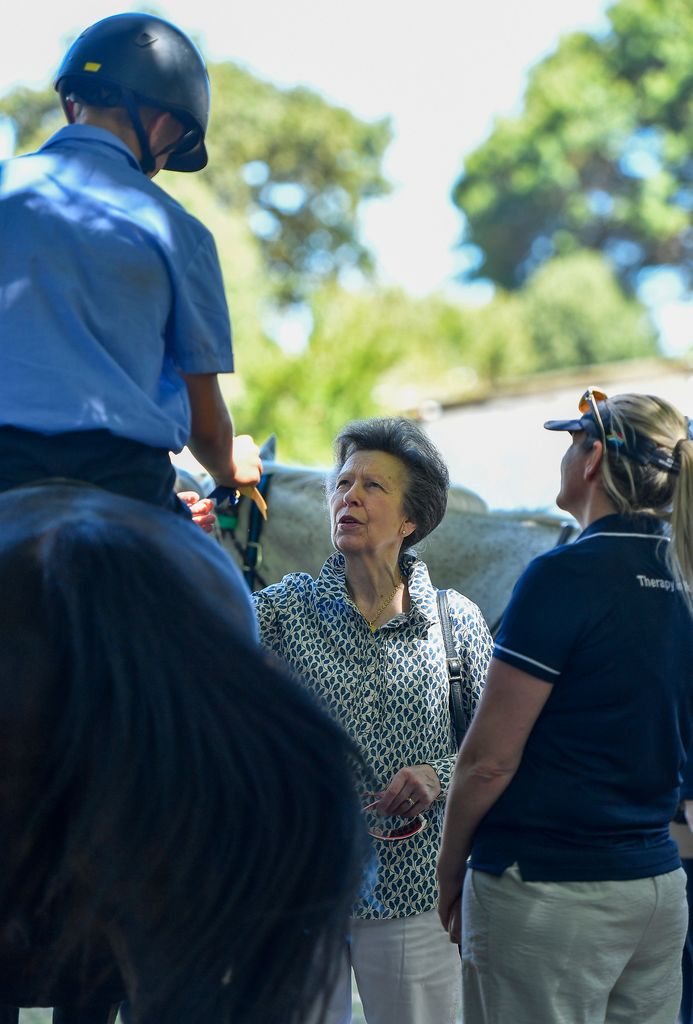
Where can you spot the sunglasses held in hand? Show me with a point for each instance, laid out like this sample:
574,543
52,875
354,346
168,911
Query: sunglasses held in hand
409,828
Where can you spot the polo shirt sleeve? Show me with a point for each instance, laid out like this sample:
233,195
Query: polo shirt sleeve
543,619
200,327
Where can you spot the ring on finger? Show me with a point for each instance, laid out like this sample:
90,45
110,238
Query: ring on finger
410,801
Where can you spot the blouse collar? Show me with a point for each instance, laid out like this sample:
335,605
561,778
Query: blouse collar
330,586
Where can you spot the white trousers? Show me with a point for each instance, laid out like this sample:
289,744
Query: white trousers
407,972
572,952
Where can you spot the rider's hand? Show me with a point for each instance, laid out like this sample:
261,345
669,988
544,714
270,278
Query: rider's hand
246,464
202,510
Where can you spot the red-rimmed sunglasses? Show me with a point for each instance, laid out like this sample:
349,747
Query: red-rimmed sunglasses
411,827
589,403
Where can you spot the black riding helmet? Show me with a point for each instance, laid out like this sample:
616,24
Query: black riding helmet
146,60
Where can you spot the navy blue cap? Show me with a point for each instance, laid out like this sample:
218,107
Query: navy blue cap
631,445
586,423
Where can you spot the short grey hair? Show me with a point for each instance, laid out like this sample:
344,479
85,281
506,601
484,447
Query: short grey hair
427,477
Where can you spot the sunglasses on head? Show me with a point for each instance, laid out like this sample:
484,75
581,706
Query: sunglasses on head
589,404
638,449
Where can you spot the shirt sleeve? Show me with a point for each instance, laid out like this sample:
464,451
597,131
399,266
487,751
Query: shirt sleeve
267,619
443,767
543,619
200,328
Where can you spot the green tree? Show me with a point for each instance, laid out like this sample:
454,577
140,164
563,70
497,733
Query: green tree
599,157
382,351
295,166
576,313
376,352
503,346
287,174
34,113
298,167
305,398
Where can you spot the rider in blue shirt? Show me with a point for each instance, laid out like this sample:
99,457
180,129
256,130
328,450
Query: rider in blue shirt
115,322
114,319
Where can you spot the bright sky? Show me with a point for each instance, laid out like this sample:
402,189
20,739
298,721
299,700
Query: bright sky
442,70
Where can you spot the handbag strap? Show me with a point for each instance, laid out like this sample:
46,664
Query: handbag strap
454,666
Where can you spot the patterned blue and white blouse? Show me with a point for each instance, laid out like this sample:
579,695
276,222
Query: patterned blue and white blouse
389,689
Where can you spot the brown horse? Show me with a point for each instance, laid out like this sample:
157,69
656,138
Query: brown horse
179,821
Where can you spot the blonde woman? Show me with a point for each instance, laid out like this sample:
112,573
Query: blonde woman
574,906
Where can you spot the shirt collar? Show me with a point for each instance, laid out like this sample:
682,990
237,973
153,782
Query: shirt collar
108,143
421,593
638,523
331,586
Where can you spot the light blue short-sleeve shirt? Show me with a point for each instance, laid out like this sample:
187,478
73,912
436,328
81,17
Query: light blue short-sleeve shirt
109,291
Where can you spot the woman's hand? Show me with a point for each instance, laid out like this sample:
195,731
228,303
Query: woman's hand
410,791
449,899
202,509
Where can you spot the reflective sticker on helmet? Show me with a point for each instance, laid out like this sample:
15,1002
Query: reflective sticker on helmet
91,66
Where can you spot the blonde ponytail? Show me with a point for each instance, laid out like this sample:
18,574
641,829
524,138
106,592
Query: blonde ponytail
681,548
646,484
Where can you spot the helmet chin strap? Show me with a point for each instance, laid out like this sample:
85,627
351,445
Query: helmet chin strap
147,159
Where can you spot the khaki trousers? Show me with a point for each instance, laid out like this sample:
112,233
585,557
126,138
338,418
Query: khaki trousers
572,952
406,969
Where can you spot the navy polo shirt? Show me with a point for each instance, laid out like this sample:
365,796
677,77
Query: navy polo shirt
109,291
602,620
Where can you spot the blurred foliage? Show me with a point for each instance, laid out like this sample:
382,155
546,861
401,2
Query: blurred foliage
382,351
287,173
305,398
576,313
299,167
35,114
600,157
293,165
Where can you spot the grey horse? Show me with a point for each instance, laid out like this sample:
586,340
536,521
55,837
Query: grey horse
477,552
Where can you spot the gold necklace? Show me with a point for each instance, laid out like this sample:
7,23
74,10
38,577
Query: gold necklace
383,606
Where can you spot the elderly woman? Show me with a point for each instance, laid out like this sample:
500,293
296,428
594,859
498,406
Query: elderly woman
574,906
366,639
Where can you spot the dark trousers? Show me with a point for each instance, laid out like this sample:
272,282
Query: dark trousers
93,456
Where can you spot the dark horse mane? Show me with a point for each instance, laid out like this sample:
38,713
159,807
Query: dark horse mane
179,819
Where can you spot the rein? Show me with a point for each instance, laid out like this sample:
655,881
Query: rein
250,551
